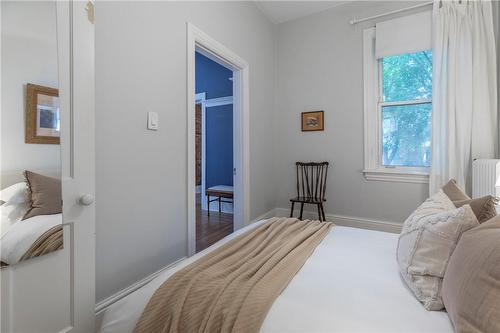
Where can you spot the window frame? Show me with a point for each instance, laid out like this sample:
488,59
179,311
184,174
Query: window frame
373,164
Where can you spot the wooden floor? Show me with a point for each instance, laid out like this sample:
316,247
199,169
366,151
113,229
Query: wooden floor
210,229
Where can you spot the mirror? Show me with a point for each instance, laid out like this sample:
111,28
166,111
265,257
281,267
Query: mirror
30,183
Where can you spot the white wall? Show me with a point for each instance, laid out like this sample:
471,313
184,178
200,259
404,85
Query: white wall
320,68
141,175
29,55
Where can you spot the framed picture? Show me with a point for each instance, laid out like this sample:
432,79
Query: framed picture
313,121
43,124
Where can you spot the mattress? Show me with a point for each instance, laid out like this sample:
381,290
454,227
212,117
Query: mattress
351,283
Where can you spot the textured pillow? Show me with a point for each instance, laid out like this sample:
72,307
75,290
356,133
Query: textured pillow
471,285
484,208
426,243
46,196
454,192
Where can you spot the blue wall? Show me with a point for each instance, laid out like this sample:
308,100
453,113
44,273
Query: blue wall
219,159
213,79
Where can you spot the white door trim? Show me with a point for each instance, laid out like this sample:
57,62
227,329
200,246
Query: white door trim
199,41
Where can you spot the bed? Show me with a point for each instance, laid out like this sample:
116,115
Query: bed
351,283
32,237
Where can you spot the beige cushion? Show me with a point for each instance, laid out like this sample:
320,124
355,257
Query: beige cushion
45,193
471,285
454,192
426,243
484,207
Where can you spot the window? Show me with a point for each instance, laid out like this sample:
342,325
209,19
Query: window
405,104
398,110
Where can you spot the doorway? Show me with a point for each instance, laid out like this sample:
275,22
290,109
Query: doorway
199,43
214,151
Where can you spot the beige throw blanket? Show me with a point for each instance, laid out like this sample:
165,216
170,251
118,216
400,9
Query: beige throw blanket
232,288
49,241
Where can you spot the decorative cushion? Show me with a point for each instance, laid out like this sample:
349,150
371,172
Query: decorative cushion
484,208
454,192
46,198
471,285
426,243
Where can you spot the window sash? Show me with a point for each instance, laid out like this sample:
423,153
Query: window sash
379,106
381,139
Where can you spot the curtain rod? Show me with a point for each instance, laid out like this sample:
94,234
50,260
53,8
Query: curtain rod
356,21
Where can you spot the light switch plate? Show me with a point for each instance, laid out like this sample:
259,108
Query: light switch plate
152,121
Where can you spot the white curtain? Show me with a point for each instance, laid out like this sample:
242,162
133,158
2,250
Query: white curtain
464,118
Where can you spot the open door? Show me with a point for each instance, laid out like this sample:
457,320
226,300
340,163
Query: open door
55,292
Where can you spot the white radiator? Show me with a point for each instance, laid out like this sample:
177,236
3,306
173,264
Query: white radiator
485,178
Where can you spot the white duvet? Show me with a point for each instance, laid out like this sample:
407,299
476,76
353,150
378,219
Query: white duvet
351,283
18,235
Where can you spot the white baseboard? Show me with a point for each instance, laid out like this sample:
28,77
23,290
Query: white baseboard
264,216
107,302
347,221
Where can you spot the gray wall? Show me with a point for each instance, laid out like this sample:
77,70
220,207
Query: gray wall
141,175
320,68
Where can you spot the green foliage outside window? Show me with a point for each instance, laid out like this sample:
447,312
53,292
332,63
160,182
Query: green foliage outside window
406,128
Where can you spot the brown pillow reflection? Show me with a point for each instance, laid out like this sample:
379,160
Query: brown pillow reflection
45,194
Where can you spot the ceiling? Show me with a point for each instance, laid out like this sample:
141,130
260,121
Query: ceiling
282,11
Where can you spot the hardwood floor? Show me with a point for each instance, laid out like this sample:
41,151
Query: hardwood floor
210,229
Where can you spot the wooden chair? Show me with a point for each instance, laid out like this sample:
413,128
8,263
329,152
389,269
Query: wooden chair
311,187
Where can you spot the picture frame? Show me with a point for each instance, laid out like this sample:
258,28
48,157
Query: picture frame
313,121
42,115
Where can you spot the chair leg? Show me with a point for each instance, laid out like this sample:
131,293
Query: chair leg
319,212
301,210
323,212
291,210
208,205
220,210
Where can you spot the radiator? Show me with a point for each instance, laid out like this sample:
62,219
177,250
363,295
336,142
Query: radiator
485,178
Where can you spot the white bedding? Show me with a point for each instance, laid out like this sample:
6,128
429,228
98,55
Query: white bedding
18,236
351,283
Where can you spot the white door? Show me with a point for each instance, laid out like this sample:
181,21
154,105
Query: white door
55,293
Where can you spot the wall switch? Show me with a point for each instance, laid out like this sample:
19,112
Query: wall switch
152,121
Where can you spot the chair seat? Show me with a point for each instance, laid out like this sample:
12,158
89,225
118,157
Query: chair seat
308,200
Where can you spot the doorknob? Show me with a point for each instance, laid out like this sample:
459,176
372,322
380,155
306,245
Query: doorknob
86,199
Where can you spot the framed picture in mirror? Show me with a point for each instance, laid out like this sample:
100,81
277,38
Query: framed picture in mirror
42,115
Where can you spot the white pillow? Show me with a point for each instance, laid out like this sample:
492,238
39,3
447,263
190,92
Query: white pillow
428,239
15,194
10,214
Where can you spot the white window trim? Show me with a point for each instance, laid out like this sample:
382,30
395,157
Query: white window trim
373,169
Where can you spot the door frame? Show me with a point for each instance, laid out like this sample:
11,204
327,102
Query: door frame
199,41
